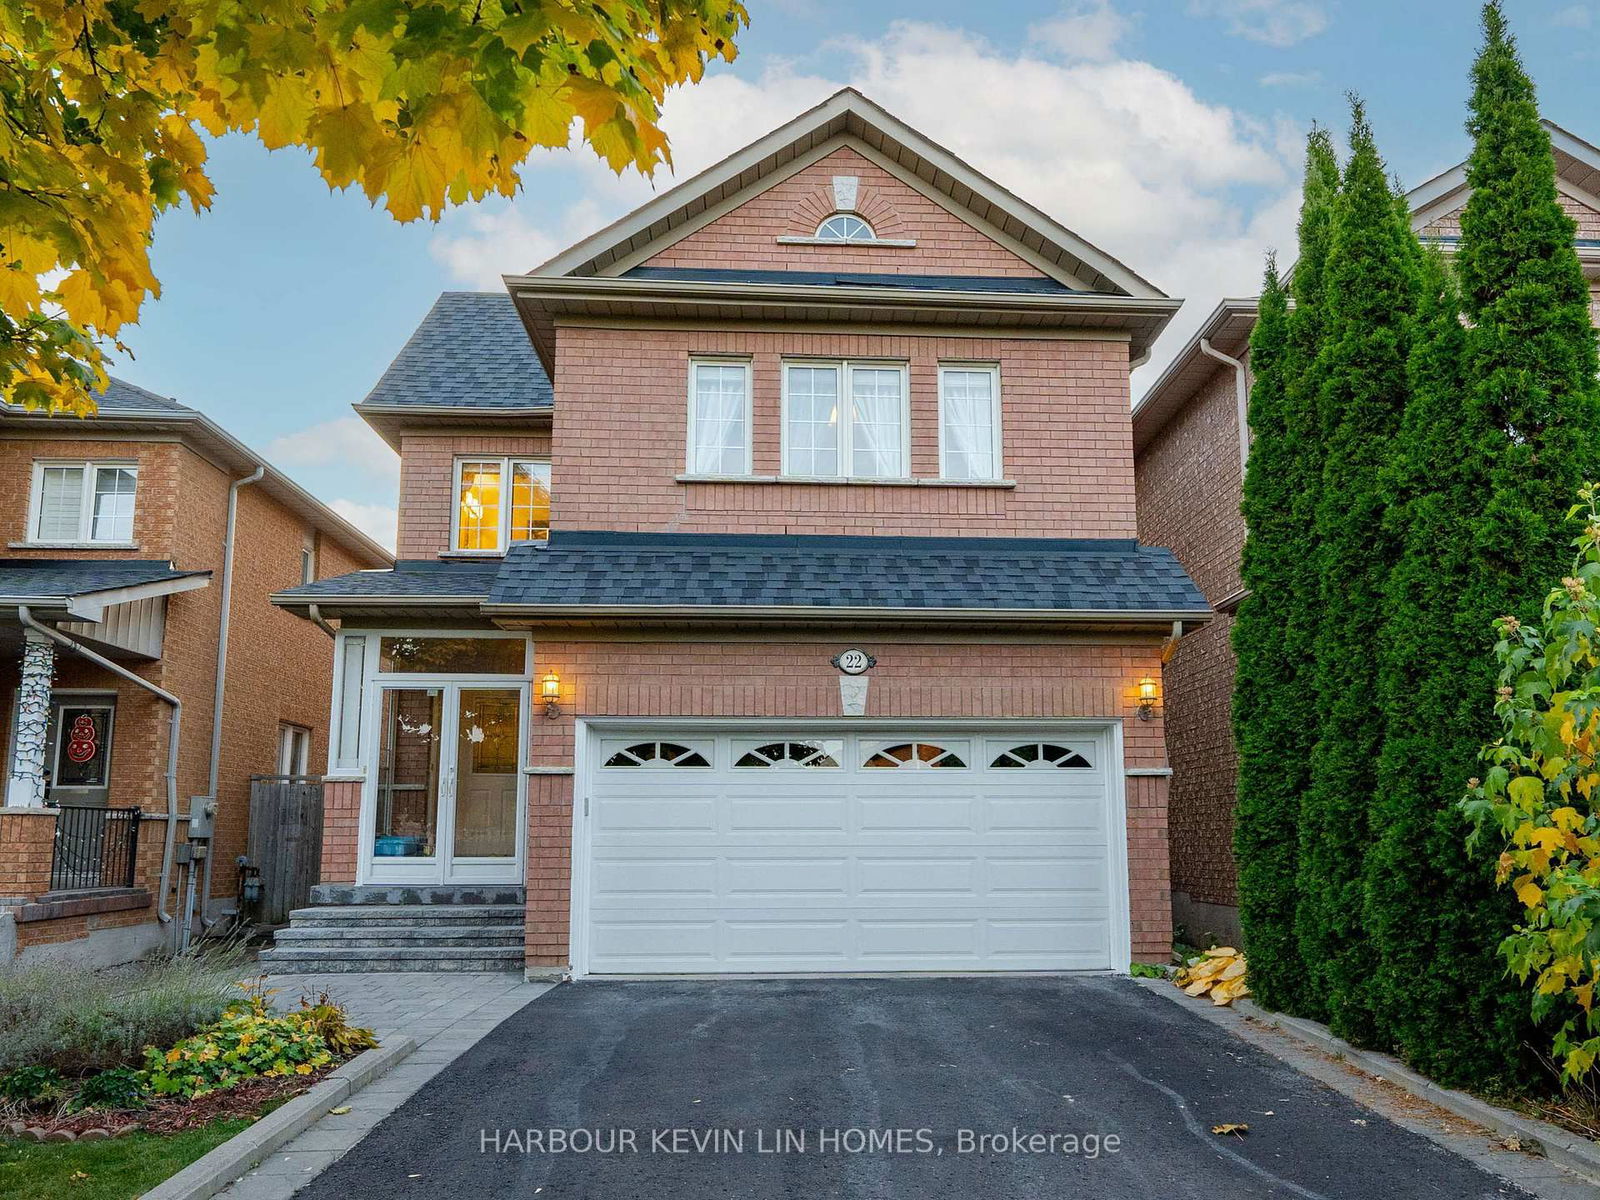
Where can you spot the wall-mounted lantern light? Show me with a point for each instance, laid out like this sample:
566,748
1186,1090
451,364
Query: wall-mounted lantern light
550,693
1149,693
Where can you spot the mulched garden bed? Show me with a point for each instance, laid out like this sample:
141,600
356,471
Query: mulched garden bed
174,1114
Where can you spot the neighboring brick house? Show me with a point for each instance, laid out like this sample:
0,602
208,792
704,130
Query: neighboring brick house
768,598
115,530
1189,448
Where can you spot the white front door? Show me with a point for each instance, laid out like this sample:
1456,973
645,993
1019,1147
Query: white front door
807,849
446,788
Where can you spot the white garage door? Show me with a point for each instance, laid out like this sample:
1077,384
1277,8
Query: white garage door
785,851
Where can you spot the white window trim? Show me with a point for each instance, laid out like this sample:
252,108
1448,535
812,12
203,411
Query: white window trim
997,440
504,539
847,416
91,468
712,360
294,743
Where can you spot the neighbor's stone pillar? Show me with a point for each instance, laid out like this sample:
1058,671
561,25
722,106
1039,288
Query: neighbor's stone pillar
25,782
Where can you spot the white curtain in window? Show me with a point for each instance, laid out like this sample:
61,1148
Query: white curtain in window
60,504
813,421
967,410
721,432
877,433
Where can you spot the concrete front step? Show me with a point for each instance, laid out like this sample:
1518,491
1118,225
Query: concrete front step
367,916
297,960
388,894
400,935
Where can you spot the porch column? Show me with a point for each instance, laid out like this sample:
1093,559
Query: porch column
25,783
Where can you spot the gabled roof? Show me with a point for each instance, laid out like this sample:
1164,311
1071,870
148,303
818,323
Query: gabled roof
1577,175
469,354
127,408
85,587
901,150
1226,330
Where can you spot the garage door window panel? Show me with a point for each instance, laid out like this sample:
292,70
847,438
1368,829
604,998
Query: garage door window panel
784,755
918,756
658,755
1042,756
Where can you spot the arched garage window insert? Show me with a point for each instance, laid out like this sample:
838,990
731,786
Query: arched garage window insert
658,754
791,754
1042,755
915,755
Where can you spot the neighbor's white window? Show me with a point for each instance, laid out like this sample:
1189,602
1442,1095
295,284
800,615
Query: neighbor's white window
969,422
500,501
83,502
719,417
845,419
294,749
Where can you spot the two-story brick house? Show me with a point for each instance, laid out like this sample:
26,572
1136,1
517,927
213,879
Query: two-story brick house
1190,442
125,533
768,595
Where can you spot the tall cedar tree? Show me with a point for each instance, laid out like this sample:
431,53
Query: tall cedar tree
1275,660
1361,373
1266,725
1444,1002
1531,427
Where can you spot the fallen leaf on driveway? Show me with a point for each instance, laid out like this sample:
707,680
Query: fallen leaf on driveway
340,1111
1237,1128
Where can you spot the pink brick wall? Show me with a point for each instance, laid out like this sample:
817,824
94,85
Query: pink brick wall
1587,218
622,413
746,237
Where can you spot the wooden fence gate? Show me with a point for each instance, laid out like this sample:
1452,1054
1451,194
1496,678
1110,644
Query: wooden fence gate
285,842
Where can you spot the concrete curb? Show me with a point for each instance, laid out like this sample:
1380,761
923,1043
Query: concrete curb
1568,1150
212,1172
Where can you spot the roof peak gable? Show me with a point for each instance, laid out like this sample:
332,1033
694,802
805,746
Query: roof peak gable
850,118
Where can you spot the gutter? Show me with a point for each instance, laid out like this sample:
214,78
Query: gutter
219,691
168,851
1242,398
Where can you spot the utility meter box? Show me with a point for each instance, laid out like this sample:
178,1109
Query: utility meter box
202,812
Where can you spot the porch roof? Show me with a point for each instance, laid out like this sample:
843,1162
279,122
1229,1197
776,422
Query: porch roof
412,585
84,588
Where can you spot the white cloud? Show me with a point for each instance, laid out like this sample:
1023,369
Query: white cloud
1088,30
1291,78
345,442
1576,16
1271,22
1186,192
380,522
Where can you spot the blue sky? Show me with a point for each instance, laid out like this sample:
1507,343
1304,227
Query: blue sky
1167,132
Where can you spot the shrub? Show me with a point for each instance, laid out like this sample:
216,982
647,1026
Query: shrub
118,1088
77,1020
332,1024
29,1085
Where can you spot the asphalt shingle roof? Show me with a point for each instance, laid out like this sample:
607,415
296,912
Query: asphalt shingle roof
470,579
1033,285
755,571
471,351
41,578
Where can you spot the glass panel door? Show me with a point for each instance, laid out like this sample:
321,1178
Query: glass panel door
409,780
488,755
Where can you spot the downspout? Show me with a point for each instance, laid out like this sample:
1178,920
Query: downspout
55,635
1242,387
222,671
320,621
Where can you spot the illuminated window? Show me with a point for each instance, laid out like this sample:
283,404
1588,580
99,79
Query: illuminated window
845,227
486,518
915,755
83,502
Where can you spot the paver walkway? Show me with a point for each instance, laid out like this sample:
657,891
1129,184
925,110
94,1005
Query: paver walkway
446,1014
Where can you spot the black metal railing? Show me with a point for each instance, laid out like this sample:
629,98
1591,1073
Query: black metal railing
95,848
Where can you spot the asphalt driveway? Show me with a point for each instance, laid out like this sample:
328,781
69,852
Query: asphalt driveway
993,1087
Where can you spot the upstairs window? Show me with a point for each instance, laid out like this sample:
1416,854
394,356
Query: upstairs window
845,420
845,227
969,422
500,501
719,417
83,502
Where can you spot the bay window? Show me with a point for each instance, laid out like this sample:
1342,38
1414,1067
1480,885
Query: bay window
845,420
500,501
719,417
83,502
969,422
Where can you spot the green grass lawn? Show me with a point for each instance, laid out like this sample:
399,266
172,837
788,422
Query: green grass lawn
116,1169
